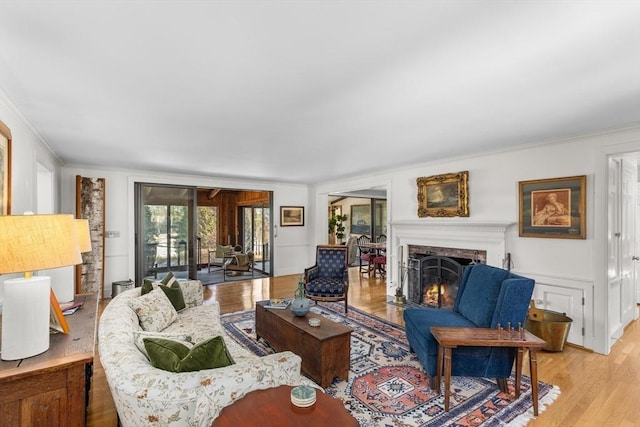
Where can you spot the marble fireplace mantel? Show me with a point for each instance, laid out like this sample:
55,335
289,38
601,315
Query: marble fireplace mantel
489,236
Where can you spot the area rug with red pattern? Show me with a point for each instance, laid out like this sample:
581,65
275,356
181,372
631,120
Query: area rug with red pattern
388,387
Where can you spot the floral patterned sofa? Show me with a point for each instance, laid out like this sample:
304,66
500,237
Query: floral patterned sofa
148,396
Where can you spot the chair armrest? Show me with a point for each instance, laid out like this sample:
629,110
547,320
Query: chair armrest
311,273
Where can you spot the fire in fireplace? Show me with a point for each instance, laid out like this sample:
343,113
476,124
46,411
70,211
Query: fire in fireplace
433,279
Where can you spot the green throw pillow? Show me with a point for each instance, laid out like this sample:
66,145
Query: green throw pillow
174,293
147,286
173,356
169,279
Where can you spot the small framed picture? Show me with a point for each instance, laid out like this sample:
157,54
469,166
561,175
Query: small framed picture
291,216
57,322
554,208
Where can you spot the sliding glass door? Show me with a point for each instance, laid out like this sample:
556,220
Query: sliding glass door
256,226
165,237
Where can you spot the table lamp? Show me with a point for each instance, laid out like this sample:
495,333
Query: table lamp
29,243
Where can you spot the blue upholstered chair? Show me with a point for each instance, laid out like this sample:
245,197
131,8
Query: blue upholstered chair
487,296
328,279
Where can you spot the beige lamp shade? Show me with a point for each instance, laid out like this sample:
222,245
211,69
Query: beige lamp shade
84,235
37,242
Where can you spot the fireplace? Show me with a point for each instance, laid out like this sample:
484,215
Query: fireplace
434,273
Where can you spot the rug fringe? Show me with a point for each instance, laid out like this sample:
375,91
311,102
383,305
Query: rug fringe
523,419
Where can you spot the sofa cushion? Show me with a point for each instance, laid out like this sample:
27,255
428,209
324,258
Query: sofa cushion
174,356
174,293
192,292
139,336
155,311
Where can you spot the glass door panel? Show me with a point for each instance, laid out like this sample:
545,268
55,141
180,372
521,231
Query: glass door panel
256,223
379,217
165,238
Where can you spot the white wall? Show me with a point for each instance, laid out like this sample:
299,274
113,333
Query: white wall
493,196
291,248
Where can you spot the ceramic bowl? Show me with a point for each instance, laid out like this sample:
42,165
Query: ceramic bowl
314,321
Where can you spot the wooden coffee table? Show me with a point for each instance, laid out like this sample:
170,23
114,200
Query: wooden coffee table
272,407
325,350
449,338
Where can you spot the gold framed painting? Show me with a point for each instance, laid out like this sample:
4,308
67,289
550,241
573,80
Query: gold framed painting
553,208
291,216
5,170
443,195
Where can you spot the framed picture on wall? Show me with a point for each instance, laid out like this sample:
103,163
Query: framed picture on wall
444,195
361,219
291,216
5,170
554,208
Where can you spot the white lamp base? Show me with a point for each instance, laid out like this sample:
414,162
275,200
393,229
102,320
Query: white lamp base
25,317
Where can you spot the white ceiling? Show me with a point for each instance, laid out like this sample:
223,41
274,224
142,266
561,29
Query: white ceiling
306,91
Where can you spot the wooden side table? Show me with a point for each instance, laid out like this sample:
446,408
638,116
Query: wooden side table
449,338
52,388
272,407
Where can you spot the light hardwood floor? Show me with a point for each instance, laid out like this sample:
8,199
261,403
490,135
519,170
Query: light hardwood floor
596,390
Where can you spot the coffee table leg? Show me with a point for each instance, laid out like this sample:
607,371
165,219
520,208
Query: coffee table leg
519,370
533,367
447,377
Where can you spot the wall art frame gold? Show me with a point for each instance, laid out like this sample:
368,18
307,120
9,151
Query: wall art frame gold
5,169
445,195
553,208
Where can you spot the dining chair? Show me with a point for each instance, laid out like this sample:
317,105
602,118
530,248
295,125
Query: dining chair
365,260
380,257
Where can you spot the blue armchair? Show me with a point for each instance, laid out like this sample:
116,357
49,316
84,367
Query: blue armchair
328,279
487,296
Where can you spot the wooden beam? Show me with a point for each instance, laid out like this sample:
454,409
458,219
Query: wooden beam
213,193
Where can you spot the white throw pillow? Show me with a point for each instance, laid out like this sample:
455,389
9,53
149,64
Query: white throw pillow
154,310
192,293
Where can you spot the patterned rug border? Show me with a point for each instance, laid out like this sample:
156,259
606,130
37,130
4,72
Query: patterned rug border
517,413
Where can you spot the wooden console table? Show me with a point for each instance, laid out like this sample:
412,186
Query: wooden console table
449,338
52,388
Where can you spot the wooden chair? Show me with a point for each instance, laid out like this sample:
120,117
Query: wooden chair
380,258
366,255
328,279
238,263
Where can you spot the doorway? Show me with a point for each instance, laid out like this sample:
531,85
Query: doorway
180,228
623,288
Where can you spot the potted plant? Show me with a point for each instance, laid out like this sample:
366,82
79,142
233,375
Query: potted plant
336,227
